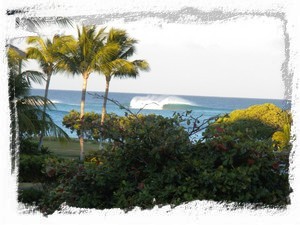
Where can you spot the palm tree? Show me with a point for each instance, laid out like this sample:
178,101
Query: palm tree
84,57
15,58
26,110
45,52
118,65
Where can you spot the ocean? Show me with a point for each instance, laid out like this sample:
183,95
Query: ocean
164,105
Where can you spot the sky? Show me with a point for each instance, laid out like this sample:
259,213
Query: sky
235,58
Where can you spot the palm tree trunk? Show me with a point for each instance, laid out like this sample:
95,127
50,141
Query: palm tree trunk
44,112
15,143
82,104
105,100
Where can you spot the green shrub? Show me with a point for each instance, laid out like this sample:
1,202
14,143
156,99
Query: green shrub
260,122
80,185
31,196
150,151
240,169
28,146
247,173
31,166
267,113
149,160
90,124
94,157
139,149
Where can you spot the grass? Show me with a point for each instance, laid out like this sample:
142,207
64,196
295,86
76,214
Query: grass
28,185
69,149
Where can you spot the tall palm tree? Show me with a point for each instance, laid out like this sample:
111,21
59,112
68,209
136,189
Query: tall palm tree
26,110
117,65
45,52
16,88
85,55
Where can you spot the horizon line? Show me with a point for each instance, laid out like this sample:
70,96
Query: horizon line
212,96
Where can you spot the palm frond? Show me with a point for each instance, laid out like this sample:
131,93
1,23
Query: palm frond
16,53
38,42
126,43
53,130
142,65
30,122
51,55
33,76
106,54
127,52
100,34
28,102
67,63
116,35
117,64
35,53
120,67
26,122
63,44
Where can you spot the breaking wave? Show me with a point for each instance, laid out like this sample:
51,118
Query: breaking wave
56,101
160,102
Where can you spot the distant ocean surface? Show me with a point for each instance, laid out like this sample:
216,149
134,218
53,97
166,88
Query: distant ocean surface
164,105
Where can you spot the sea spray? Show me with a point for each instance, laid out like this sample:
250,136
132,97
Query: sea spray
158,102
54,101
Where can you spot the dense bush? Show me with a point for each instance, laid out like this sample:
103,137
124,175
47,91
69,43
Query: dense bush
113,125
151,132
241,169
90,124
139,147
31,196
28,146
31,161
260,122
267,113
149,160
31,166
80,185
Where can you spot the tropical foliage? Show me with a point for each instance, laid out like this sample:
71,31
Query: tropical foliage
260,122
84,57
46,53
117,64
267,113
26,110
90,126
25,107
150,160
145,160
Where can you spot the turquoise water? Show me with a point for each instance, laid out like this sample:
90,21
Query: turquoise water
164,105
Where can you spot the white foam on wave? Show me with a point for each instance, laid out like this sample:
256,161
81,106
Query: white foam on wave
60,102
55,101
157,101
